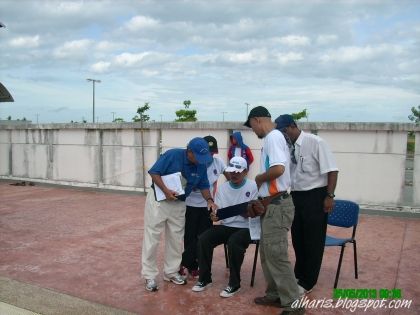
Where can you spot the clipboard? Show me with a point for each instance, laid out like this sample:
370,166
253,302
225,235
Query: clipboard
232,211
173,182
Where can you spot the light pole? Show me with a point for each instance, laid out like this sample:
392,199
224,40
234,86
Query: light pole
113,116
93,97
247,106
223,113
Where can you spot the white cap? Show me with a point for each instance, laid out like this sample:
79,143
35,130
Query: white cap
236,164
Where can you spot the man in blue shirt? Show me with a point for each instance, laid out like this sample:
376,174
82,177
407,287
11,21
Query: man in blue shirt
169,214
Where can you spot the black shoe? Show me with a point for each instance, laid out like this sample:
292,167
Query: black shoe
296,311
266,301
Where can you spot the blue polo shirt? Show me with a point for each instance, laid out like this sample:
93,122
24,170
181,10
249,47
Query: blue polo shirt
175,160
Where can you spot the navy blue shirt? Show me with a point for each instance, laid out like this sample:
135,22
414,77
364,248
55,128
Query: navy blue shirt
175,160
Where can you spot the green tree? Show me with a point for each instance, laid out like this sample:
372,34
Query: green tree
415,115
141,113
118,120
186,114
9,117
300,115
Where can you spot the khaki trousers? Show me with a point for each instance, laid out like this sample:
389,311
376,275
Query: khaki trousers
167,216
278,272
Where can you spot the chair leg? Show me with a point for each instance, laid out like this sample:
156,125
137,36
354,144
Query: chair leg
254,266
226,255
356,273
339,266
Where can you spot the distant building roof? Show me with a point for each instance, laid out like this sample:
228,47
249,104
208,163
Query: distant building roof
5,96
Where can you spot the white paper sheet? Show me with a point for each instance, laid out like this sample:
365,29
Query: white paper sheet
173,182
255,228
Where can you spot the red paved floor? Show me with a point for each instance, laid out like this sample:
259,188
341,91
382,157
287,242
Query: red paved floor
87,244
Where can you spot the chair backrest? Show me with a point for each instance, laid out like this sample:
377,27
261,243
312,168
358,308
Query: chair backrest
345,214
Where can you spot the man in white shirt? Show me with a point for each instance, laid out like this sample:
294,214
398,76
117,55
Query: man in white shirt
274,184
314,178
233,231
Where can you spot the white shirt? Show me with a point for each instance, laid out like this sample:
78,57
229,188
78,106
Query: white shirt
275,152
229,195
195,198
314,162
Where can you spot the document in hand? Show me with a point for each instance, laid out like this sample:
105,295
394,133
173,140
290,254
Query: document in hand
173,182
232,211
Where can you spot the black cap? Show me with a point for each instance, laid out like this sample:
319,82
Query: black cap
212,143
259,111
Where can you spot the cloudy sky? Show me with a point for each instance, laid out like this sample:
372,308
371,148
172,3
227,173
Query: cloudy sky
342,60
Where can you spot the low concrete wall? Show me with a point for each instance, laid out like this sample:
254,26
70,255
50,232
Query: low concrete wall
371,156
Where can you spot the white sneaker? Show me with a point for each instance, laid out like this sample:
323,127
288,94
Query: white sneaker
177,279
229,291
201,286
151,285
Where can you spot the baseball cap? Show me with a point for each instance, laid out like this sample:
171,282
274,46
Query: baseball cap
200,148
212,143
284,121
236,164
259,111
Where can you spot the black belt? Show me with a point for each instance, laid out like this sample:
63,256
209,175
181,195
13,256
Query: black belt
274,199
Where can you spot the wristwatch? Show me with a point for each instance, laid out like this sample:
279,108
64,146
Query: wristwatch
331,195
210,198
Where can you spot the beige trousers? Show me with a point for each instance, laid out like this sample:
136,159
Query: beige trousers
167,216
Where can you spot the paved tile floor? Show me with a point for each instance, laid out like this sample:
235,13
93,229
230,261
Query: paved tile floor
78,251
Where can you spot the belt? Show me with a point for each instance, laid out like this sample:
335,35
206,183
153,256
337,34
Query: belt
276,199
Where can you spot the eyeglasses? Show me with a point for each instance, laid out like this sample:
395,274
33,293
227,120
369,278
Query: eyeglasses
239,167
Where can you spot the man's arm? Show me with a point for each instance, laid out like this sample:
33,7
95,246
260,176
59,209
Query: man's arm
210,202
272,173
169,194
329,199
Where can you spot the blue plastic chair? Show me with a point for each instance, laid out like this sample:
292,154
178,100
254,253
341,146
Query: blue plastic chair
345,214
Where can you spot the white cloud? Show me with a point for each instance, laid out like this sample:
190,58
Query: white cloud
25,41
73,48
140,22
354,53
129,59
285,58
295,40
100,67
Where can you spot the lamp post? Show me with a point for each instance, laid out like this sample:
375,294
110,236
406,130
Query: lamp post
223,113
113,116
247,107
93,97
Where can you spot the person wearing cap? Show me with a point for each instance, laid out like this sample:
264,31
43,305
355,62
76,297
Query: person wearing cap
197,216
169,215
274,184
233,231
314,177
239,148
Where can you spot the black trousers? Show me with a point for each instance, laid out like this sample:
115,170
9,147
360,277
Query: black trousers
237,240
197,220
308,234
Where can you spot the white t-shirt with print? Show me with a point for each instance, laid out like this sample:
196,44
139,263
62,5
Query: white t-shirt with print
275,152
230,195
217,167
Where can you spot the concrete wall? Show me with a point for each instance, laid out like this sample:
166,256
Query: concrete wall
371,157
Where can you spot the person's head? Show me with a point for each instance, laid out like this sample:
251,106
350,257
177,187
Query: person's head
233,140
198,151
237,169
259,119
212,144
287,125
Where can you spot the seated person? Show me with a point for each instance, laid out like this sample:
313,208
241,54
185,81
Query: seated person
233,231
